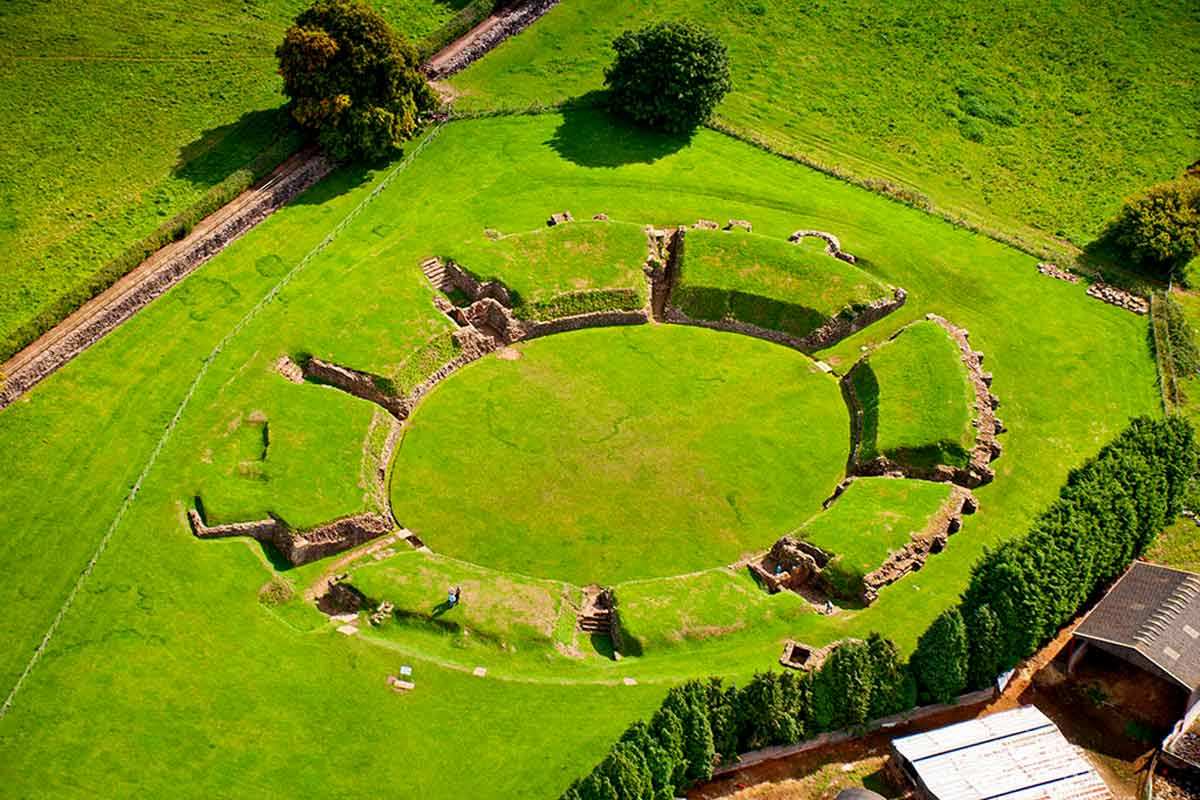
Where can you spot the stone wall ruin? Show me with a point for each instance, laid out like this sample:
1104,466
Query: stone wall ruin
300,546
833,246
796,565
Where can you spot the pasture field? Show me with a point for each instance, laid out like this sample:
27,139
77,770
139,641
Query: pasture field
768,282
916,400
168,676
1004,115
120,121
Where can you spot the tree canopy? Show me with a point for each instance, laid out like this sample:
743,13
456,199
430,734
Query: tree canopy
670,75
354,83
1161,229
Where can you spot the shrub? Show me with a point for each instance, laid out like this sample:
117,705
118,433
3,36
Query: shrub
670,75
766,712
1161,229
354,83
722,717
940,661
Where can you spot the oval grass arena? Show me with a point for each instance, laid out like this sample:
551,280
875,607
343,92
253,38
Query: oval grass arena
613,454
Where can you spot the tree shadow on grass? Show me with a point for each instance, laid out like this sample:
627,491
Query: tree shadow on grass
590,136
260,141
251,140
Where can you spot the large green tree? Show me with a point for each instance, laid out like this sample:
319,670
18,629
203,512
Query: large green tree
354,83
670,75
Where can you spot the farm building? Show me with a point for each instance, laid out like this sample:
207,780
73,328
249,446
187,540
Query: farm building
1151,619
1015,755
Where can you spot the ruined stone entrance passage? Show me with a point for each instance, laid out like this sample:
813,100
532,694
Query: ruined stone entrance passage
614,454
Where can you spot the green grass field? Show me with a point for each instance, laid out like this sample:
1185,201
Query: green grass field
601,456
916,400
168,676
111,136
1004,115
768,282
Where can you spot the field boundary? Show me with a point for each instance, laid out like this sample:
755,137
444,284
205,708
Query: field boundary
1164,362
246,319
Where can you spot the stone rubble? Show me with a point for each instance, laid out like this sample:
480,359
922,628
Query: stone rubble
1057,272
739,223
1119,297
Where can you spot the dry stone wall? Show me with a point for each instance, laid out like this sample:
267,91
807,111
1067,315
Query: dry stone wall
1119,297
58,347
507,23
1057,272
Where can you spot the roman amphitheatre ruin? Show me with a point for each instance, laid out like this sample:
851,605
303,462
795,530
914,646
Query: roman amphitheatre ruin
467,467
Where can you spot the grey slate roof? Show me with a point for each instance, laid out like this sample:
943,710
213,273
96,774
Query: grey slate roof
1153,611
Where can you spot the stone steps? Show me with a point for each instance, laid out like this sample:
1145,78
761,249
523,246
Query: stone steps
435,271
596,623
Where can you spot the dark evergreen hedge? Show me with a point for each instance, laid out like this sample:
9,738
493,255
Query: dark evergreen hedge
1019,595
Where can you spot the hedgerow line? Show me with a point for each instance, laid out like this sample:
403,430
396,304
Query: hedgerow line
246,319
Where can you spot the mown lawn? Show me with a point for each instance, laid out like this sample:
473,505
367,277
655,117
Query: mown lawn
602,456
1034,118
169,677
119,121
768,282
916,400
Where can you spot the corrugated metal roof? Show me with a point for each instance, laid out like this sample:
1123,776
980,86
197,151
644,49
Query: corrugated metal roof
1015,755
1155,611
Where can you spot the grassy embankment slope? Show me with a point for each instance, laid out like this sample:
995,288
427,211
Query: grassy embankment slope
253,699
119,121
769,282
916,400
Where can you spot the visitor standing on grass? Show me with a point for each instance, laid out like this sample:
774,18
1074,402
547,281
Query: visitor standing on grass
453,595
